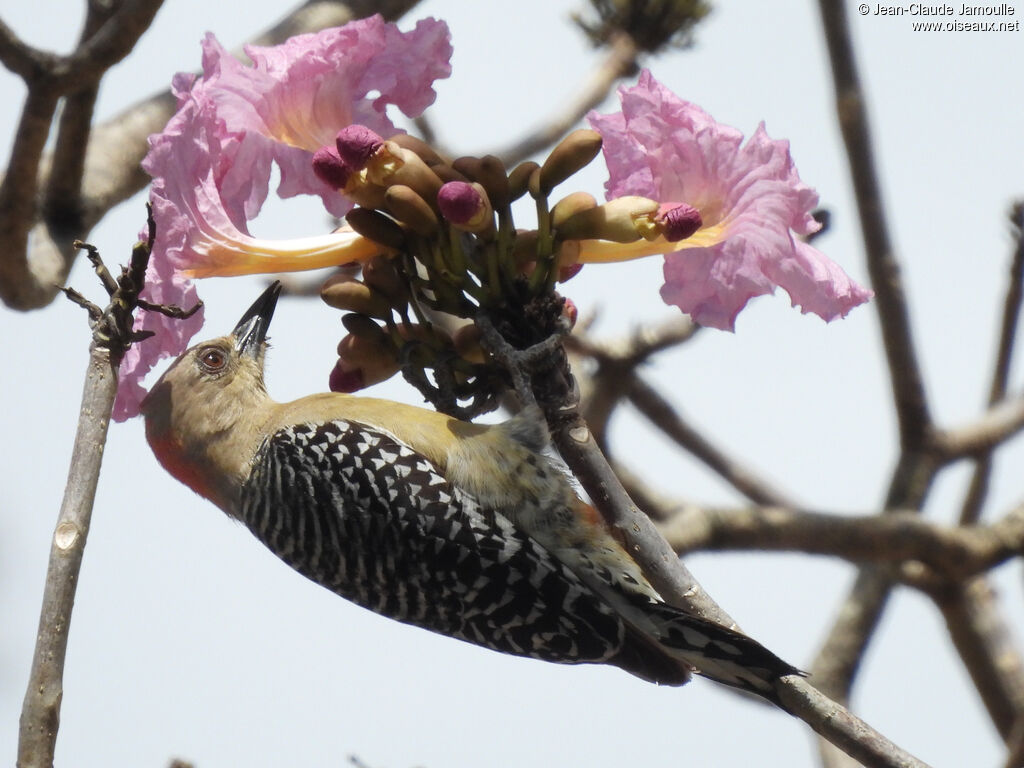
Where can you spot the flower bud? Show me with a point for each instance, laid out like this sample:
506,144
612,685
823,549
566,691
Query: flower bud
381,274
362,191
343,292
467,343
330,168
385,162
362,362
412,210
533,185
572,204
375,226
567,273
622,220
466,206
468,166
568,260
570,312
494,178
406,167
446,173
570,155
519,179
431,335
678,221
419,146
361,325
356,145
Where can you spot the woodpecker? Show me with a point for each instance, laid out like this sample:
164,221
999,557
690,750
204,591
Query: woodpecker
464,529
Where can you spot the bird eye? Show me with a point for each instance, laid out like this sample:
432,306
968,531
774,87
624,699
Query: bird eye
212,359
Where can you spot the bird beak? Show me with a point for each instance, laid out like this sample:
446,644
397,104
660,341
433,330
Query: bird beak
251,330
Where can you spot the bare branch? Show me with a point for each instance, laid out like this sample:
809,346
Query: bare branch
954,553
659,563
837,662
904,370
999,423
987,648
666,418
40,715
22,59
669,576
620,62
978,489
842,728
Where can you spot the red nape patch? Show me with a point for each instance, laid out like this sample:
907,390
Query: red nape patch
171,456
589,515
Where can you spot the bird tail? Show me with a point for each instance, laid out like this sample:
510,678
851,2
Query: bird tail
719,653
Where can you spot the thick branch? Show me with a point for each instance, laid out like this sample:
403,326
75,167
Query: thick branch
657,560
841,728
952,552
646,546
998,424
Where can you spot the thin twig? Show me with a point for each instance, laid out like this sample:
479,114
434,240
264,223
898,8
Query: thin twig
615,363
619,62
666,418
904,370
978,488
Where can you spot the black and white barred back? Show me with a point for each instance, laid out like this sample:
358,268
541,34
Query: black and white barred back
356,511
365,516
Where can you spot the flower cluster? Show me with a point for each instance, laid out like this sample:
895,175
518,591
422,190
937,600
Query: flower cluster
211,164
436,235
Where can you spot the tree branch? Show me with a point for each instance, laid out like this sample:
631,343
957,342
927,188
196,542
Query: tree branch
112,333
978,489
954,553
841,728
999,423
666,418
987,648
904,370
619,62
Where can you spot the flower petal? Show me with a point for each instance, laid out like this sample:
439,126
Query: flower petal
750,198
295,97
816,283
713,284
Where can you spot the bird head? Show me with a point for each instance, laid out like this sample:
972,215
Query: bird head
210,399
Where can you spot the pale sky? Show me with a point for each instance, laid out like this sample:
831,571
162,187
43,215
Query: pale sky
189,639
